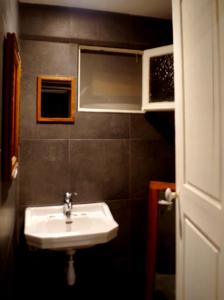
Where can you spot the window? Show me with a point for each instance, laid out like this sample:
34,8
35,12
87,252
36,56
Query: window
110,79
119,80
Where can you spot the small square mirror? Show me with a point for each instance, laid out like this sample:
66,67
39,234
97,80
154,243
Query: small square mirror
55,99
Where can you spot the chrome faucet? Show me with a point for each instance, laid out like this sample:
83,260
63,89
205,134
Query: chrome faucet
68,204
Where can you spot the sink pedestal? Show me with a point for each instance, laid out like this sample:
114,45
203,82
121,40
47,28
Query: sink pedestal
71,276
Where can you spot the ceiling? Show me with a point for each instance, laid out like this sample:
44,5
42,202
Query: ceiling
149,8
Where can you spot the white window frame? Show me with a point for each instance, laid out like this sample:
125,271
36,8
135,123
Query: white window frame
146,105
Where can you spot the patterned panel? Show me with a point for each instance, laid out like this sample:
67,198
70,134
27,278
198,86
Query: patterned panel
161,78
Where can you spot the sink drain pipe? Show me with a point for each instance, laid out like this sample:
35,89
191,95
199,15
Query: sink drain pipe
71,276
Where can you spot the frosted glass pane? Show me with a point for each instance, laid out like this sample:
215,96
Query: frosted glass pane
161,78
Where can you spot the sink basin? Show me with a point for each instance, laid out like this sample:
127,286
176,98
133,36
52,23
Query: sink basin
47,227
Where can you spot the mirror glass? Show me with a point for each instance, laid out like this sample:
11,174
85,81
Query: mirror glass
55,99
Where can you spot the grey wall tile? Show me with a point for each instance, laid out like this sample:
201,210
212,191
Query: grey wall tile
100,126
138,246
43,183
142,166
46,21
114,28
27,177
140,128
85,24
48,58
150,160
94,27
151,32
166,240
116,178
44,150
44,172
138,226
28,127
121,277
87,167
163,122
43,58
53,131
99,169
120,210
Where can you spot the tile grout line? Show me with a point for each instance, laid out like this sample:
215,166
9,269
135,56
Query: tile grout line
81,139
129,160
69,164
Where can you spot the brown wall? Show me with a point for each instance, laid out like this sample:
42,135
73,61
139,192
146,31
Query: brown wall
103,156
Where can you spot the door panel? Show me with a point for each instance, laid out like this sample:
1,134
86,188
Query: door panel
199,208
200,258
201,97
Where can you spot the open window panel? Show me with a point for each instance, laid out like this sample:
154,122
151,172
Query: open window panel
121,80
11,105
55,99
161,227
158,79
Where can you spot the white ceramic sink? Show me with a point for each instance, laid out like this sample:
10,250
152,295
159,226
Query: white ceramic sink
48,228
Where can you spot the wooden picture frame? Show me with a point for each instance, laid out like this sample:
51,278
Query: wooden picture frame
55,99
11,107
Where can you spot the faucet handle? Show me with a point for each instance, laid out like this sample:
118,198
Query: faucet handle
68,196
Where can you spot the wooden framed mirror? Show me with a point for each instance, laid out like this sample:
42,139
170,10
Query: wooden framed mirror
11,104
55,99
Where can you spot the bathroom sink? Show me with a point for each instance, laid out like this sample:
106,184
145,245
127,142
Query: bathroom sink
47,227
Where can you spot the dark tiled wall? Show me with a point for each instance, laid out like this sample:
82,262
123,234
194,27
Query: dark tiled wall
93,27
9,192
103,156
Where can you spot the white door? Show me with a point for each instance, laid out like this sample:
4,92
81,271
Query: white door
199,96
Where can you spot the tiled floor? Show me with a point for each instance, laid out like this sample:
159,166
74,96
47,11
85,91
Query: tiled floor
165,287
